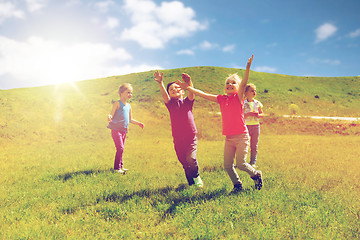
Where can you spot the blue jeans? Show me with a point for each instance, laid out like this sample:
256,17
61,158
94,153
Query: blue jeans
185,149
254,133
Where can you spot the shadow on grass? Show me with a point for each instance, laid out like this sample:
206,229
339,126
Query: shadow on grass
180,200
174,197
67,176
212,168
171,196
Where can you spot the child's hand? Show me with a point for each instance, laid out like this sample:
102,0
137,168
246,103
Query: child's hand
158,78
186,78
141,125
249,62
109,118
183,85
254,114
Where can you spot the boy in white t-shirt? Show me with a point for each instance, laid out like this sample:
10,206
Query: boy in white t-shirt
252,112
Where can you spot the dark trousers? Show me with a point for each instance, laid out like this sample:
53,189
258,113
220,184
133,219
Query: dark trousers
185,149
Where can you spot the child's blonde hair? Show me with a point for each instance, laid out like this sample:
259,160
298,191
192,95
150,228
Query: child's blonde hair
124,87
235,77
249,85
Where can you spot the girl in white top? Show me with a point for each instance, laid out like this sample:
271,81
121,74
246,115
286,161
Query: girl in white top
252,112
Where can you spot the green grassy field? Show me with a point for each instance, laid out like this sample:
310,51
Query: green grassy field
56,159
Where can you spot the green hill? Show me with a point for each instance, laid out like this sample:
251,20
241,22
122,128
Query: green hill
57,157
56,113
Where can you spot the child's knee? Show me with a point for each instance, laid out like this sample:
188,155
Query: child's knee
241,166
228,166
120,148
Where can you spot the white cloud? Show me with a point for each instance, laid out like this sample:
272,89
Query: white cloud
355,33
154,26
185,52
71,3
8,10
324,32
265,69
324,61
229,48
103,6
331,61
206,45
271,45
41,62
127,68
35,5
112,22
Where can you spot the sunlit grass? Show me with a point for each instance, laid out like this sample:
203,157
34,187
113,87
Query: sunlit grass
310,191
56,178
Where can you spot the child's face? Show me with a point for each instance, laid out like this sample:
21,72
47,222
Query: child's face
127,94
250,93
175,91
231,86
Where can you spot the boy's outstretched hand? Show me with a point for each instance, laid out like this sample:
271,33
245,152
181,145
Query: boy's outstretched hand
187,79
249,62
183,85
158,78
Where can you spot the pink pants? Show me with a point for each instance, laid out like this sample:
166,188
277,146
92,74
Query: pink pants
119,140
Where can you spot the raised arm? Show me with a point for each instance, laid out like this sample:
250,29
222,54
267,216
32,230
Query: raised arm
187,79
159,79
245,79
197,92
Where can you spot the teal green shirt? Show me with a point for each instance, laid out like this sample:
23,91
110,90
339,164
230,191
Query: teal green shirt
121,118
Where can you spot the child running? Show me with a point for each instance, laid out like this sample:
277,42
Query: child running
119,120
233,125
252,112
182,125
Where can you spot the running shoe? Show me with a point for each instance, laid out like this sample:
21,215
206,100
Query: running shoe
258,180
198,182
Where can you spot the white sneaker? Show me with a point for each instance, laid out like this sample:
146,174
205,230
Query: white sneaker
124,169
198,182
120,171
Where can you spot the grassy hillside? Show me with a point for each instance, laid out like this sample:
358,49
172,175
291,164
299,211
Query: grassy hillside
56,156
53,113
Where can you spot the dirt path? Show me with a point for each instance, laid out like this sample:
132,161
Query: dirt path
350,119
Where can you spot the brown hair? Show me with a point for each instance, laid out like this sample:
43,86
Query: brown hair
168,86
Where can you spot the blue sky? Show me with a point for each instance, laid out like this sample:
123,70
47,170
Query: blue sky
46,42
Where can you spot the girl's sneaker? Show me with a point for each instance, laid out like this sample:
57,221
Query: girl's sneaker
124,169
258,180
120,171
198,182
237,188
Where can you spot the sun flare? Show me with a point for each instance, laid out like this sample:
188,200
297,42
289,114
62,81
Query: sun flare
56,63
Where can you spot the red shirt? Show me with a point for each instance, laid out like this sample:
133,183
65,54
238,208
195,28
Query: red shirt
232,114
